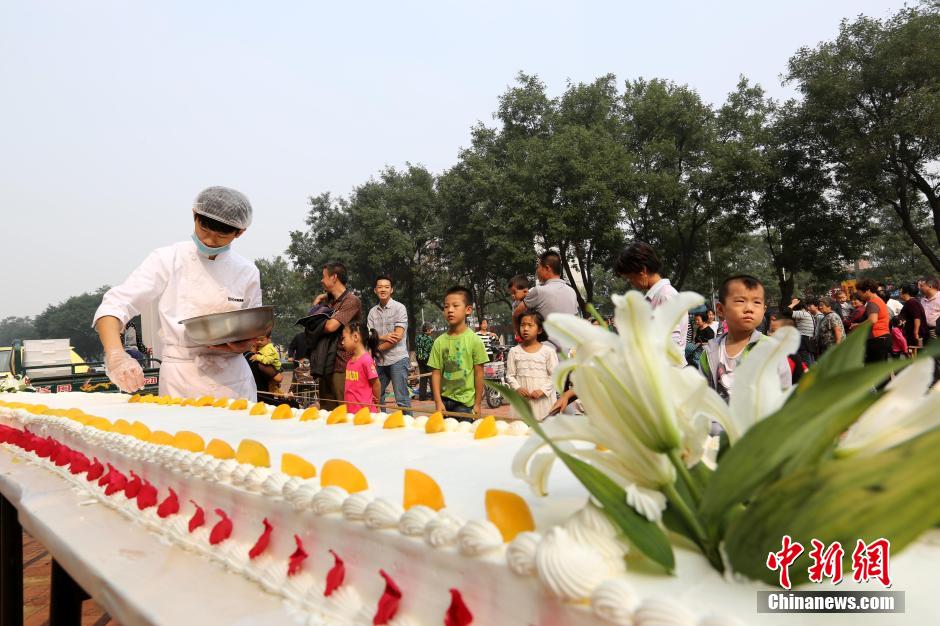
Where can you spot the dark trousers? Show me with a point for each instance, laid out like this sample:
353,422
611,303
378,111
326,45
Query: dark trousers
424,386
877,349
452,406
332,390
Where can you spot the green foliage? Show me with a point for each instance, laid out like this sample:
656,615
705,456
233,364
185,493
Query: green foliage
284,289
71,320
873,97
17,328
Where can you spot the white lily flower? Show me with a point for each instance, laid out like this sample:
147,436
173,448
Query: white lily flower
908,408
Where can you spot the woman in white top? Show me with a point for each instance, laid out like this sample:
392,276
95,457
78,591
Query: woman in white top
188,279
530,366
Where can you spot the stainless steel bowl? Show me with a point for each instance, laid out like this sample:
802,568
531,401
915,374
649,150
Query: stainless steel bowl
219,328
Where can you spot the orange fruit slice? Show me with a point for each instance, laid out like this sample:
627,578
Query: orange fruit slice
422,489
260,408
509,513
339,473
313,413
294,465
282,412
188,440
220,450
487,428
162,438
435,423
362,417
253,453
395,420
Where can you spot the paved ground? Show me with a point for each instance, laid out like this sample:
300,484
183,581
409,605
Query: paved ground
36,567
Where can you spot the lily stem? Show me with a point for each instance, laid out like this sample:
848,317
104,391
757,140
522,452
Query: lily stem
687,514
683,472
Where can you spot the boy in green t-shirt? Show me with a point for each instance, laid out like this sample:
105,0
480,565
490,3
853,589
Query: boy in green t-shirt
457,359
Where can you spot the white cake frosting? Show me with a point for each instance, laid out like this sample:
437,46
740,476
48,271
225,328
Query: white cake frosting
575,556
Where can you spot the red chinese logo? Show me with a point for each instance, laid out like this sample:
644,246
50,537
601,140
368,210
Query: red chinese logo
869,561
783,559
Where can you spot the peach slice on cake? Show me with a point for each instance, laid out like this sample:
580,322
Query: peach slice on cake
260,408
363,416
162,438
188,440
509,513
140,431
486,428
422,489
313,413
238,405
282,412
221,403
121,426
340,473
253,453
294,465
435,423
395,420
337,415
220,450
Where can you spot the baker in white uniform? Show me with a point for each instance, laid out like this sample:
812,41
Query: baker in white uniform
188,279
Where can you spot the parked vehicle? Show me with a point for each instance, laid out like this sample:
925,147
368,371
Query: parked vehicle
495,371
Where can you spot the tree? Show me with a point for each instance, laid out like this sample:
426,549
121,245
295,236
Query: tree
71,320
873,96
16,328
690,171
285,290
387,225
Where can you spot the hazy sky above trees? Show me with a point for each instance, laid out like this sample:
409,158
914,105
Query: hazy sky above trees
115,115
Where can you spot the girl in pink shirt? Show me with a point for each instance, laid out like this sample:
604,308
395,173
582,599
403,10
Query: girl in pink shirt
362,379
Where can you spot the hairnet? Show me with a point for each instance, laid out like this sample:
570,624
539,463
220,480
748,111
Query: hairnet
225,205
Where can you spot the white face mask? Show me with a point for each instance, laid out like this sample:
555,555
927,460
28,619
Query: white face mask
208,251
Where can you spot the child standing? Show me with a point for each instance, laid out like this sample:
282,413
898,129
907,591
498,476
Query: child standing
457,359
741,303
518,289
530,366
362,377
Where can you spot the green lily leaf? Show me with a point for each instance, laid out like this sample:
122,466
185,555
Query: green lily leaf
892,494
804,428
645,535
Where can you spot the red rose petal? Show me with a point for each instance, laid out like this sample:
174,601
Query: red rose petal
336,575
297,558
457,613
198,518
222,530
388,603
262,544
147,496
170,506
95,470
133,486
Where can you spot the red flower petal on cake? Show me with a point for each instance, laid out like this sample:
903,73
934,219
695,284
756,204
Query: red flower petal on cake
297,558
133,486
457,613
62,455
198,518
170,506
42,447
117,483
147,496
80,463
262,543
388,603
107,477
336,575
95,470
222,529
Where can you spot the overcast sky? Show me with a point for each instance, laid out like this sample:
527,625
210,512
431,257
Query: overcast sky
113,115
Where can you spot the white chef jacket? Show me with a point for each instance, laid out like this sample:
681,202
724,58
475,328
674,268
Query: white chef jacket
186,284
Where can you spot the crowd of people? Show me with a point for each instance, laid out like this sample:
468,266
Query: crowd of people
369,352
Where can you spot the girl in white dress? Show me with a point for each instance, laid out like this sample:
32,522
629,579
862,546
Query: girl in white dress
530,366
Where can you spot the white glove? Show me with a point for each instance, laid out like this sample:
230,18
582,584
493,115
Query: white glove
124,371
